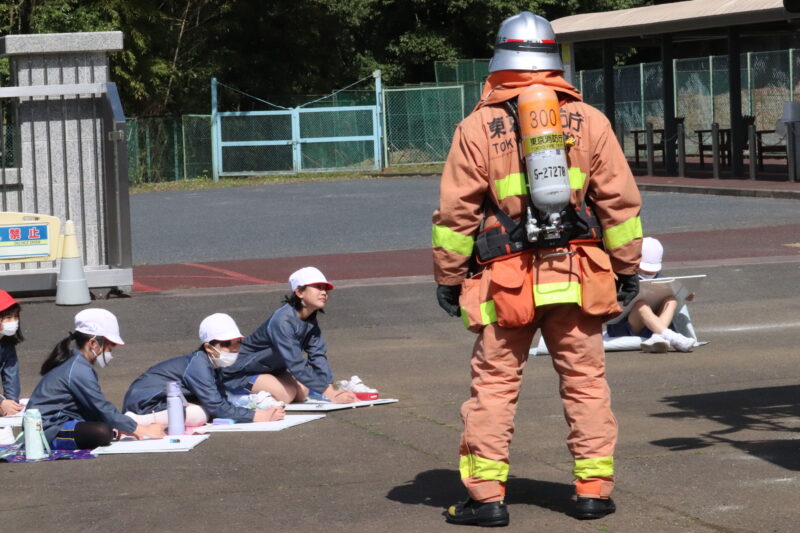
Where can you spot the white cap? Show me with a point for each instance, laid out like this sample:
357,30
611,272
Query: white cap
652,252
308,276
98,322
219,327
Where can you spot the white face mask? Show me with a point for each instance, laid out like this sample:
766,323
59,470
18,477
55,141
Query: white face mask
103,359
10,328
225,359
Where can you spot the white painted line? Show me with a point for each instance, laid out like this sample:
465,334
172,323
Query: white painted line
751,327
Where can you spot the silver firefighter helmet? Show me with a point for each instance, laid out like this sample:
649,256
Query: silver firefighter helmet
526,42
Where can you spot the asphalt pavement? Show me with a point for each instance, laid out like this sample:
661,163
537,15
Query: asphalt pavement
708,440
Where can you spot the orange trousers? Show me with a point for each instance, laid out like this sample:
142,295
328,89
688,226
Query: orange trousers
575,342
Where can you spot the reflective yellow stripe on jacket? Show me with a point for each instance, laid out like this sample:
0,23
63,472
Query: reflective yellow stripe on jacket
616,236
445,238
512,185
481,468
488,314
595,467
576,178
560,292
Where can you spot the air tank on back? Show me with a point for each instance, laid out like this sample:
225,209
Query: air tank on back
545,157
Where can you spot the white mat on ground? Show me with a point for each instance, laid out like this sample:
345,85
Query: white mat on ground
278,425
14,420
180,443
682,322
313,405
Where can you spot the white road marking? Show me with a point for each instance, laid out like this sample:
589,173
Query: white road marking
751,327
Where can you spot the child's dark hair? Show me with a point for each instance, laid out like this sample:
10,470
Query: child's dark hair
61,351
293,300
297,303
16,338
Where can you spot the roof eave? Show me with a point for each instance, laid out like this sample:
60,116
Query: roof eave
675,26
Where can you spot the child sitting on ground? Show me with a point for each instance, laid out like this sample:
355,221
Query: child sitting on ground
10,336
654,325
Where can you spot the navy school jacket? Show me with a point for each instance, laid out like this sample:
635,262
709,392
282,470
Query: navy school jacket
71,391
9,368
200,383
277,345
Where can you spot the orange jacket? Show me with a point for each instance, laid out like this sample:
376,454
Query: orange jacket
484,159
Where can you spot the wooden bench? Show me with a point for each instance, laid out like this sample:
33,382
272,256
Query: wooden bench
772,150
724,145
658,146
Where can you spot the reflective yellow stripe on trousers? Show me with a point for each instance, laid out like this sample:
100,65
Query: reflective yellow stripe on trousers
481,468
594,467
445,238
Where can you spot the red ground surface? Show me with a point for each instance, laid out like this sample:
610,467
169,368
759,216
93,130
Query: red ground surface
686,246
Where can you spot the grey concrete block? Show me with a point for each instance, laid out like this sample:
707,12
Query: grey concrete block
103,41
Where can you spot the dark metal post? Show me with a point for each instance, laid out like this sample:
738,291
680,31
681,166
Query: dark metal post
715,148
650,155
681,150
668,95
735,89
751,149
115,152
791,154
609,103
621,137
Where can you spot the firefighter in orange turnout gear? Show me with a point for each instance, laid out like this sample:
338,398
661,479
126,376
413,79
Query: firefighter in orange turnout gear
507,275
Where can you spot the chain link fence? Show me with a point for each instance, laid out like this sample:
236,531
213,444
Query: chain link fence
419,122
702,93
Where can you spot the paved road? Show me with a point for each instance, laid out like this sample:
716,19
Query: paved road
708,440
341,217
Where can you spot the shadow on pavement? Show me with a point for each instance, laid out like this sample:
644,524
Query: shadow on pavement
442,488
768,409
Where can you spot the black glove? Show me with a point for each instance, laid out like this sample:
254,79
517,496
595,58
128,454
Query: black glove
447,295
627,288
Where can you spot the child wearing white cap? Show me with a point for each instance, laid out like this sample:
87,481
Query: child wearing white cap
271,358
653,325
198,375
75,413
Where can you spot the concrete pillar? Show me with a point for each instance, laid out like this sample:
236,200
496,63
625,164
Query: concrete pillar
60,138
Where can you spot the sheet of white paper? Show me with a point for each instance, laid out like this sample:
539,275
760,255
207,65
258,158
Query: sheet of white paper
14,420
330,406
278,425
653,291
183,443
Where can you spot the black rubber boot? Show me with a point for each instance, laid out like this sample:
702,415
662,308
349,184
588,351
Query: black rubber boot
473,513
591,508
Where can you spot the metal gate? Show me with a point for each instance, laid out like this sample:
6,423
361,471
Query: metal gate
296,140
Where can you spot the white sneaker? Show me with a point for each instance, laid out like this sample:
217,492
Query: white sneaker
655,344
680,343
263,400
355,385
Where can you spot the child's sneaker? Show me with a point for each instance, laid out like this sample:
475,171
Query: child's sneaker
681,343
655,344
357,387
263,400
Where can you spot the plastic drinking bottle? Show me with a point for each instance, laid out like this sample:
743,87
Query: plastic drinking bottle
175,413
34,435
